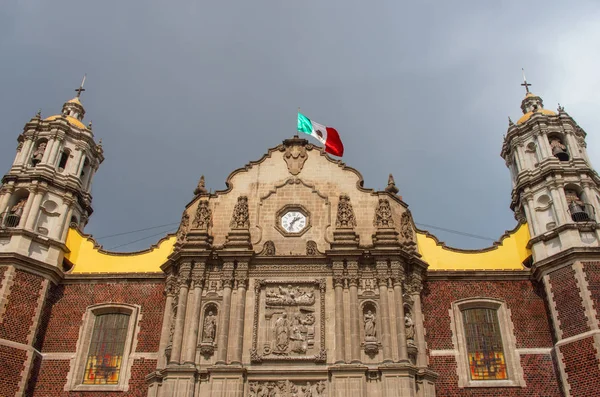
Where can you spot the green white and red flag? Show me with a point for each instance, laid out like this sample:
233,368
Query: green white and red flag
328,136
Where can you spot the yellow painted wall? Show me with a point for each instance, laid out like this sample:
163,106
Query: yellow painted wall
508,255
88,259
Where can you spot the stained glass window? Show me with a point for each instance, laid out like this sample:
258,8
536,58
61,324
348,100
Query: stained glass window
105,355
484,344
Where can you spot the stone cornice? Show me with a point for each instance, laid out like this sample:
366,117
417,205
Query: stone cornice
564,258
478,275
30,265
86,278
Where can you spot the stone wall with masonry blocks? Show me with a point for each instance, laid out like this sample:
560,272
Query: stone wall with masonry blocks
532,330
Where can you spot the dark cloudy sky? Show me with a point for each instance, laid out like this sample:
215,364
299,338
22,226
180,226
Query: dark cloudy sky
183,88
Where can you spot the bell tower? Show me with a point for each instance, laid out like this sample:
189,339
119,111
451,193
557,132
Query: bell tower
48,187
557,192
555,188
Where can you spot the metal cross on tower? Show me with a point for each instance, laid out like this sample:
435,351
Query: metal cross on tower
81,89
525,83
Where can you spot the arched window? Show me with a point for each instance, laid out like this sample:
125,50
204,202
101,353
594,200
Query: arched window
559,149
64,158
107,345
486,347
103,362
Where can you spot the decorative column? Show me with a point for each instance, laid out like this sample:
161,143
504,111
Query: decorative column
170,291
398,279
223,337
383,278
194,323
49,145
561,213
241,277
35,206
183,279
340,340
23,157
5,193
354,312
55,150
66,211
414,288
28,205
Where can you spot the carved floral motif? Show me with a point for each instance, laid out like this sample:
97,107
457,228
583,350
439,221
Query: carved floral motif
241,216
286,388
203,218
383,214
345,213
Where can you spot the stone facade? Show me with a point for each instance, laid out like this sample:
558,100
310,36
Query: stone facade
298,281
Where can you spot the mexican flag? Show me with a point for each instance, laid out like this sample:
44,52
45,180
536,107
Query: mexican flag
328,136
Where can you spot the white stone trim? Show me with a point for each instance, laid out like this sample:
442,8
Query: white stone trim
7,283
511,355
58,356
78,360
550,296
440,353
534,350
575,338
586,295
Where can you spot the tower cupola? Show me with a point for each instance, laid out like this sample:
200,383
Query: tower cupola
74,108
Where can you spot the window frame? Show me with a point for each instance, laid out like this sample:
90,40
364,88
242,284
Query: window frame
78,362
459,339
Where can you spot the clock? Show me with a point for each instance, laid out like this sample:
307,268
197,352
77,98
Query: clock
293,221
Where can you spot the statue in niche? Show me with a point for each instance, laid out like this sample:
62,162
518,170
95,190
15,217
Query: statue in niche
17,209
282,333
409,325
241,217
369,320
38,153
210,327
383,214
345,214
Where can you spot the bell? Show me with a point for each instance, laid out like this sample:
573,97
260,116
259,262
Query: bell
560,154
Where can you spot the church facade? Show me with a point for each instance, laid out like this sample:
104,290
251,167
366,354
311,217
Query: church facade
298,281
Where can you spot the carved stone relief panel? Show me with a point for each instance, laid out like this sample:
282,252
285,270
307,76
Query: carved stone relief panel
289,321
286,388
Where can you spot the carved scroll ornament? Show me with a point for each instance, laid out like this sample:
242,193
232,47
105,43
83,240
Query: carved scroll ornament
203,218
183,228
345,214
406,229
241,216
383,214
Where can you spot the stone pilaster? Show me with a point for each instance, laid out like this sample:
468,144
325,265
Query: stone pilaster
183,279
170,291
241,278
384,310
223,337
414,288
354,312
340,340
398,279
194,323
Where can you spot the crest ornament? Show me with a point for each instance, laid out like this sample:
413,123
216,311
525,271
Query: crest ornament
383,214
268,248
201,188
241,217
295,156
391,186
311,248
203,219
345,214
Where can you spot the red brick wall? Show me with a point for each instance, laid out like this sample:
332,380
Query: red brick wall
528,310
581,366
569,305
592,275
53,376
21,306
539,377
64,318
11,366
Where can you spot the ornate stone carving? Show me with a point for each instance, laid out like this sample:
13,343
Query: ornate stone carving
286,388
198,274
391,186
210,327
184,274
287,311
311,248
406,228
171,285
295,156
268,249
290,296
383,214
201,188
183,227
203,218
369,320
370,344
345,213
241,217
414,284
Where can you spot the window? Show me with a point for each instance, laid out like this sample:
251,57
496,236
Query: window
62,163
105,356
484,344
485,347
106,340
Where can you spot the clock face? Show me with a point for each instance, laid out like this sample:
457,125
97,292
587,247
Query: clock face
293,221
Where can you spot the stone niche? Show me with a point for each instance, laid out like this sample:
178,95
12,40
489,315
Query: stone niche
289,321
